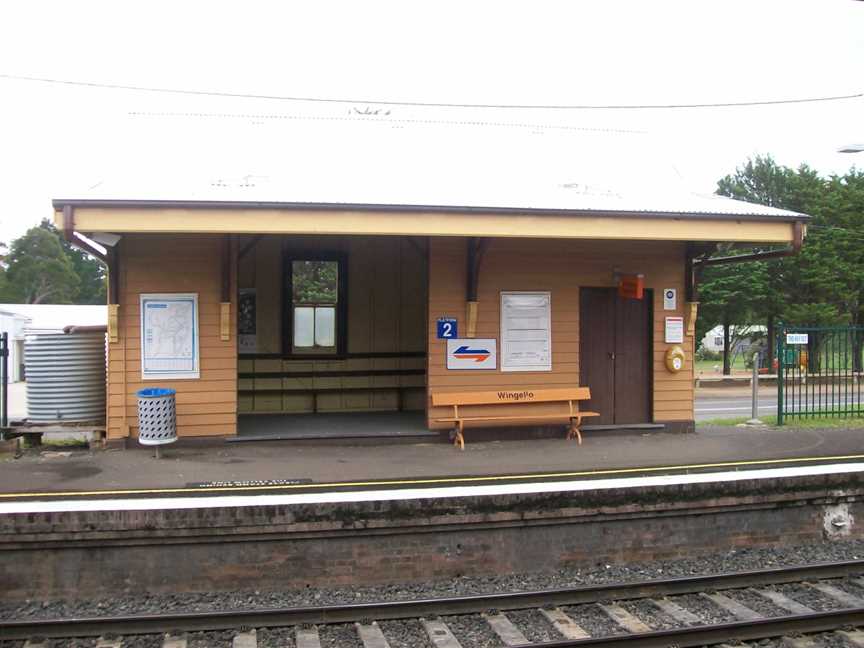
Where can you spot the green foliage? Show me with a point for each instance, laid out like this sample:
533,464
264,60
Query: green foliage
707,355
824,283
315,282
38,270
91,273
42,268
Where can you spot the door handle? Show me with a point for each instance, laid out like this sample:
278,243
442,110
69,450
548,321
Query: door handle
611,355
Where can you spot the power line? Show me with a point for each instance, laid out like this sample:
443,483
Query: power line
431,104
385,118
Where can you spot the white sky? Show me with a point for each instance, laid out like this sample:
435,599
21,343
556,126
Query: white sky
56,140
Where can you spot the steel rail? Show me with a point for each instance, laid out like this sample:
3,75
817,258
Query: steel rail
723,632
345,613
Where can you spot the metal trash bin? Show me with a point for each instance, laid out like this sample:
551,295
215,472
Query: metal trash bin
157,416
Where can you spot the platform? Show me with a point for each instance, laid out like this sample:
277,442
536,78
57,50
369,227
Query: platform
217,468
391,426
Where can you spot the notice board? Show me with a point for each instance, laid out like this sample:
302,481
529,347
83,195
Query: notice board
526,331
169,336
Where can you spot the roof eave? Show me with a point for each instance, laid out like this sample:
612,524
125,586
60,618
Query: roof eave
60,203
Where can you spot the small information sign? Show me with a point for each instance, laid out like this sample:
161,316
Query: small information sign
447,328
670,299
797,338
674,330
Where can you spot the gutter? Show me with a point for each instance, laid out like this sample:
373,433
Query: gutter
109,259
81,244
695,262
795,248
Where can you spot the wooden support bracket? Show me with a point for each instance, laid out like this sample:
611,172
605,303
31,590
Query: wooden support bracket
471,318
691,309
225,321
113,323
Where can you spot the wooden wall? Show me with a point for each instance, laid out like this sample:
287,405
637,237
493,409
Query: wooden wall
387,287
153,263
560,266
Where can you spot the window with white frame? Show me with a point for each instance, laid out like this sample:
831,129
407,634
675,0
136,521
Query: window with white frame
315,305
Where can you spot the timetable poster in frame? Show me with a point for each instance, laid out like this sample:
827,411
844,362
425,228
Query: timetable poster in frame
169,336
526,331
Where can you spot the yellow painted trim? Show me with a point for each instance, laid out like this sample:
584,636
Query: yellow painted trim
438,480
113,323
276,221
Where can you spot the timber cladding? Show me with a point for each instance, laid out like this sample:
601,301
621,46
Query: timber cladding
172,264
561,267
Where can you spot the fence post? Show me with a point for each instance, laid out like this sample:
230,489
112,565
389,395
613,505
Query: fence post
4,352
781,357
754,388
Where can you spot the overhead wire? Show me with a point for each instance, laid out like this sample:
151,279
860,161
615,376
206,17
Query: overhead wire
430,104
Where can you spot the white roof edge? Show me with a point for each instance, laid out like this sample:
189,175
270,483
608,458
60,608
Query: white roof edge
742,208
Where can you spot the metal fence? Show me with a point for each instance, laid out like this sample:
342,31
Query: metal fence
819,372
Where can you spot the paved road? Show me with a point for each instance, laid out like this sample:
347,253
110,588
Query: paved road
720,403
734,402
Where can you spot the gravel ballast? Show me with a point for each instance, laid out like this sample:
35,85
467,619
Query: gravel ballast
731,561
533,625
472,630
405,634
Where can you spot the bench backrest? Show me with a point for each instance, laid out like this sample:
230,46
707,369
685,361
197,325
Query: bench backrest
511,396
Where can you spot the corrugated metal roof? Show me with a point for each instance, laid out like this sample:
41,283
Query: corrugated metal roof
389,162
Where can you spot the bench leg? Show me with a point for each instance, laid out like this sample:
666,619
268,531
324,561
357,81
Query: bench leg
459,437
574,433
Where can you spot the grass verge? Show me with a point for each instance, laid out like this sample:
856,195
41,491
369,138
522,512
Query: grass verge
794,422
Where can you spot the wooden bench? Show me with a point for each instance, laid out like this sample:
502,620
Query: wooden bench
567,398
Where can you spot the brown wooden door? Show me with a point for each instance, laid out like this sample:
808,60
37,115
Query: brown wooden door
615,355
596,350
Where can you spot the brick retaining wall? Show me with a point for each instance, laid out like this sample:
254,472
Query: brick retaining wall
282,547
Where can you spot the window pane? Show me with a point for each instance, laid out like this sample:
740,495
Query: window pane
325,326
304,327
315,282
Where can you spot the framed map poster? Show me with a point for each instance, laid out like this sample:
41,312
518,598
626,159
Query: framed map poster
169,336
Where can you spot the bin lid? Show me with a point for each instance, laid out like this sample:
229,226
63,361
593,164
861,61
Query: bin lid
155,392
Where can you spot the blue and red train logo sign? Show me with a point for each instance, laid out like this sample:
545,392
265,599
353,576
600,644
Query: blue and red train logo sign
472,354
465,352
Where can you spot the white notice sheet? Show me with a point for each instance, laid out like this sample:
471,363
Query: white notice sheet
526,331
169,336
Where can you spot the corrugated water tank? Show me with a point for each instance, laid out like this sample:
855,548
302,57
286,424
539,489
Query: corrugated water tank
66,374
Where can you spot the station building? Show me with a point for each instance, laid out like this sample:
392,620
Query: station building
319,303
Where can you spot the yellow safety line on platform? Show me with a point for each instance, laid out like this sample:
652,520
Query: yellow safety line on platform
434,480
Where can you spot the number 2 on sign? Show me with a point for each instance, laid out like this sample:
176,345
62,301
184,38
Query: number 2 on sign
447,329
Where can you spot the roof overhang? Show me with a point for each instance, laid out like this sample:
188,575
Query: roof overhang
175,217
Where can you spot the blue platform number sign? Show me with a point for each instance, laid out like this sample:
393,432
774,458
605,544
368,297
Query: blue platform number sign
447,328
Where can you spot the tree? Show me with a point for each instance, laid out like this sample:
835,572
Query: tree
92,274
315,282
39,270
761,180
729,294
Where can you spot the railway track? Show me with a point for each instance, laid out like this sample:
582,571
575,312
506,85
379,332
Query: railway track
788,604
